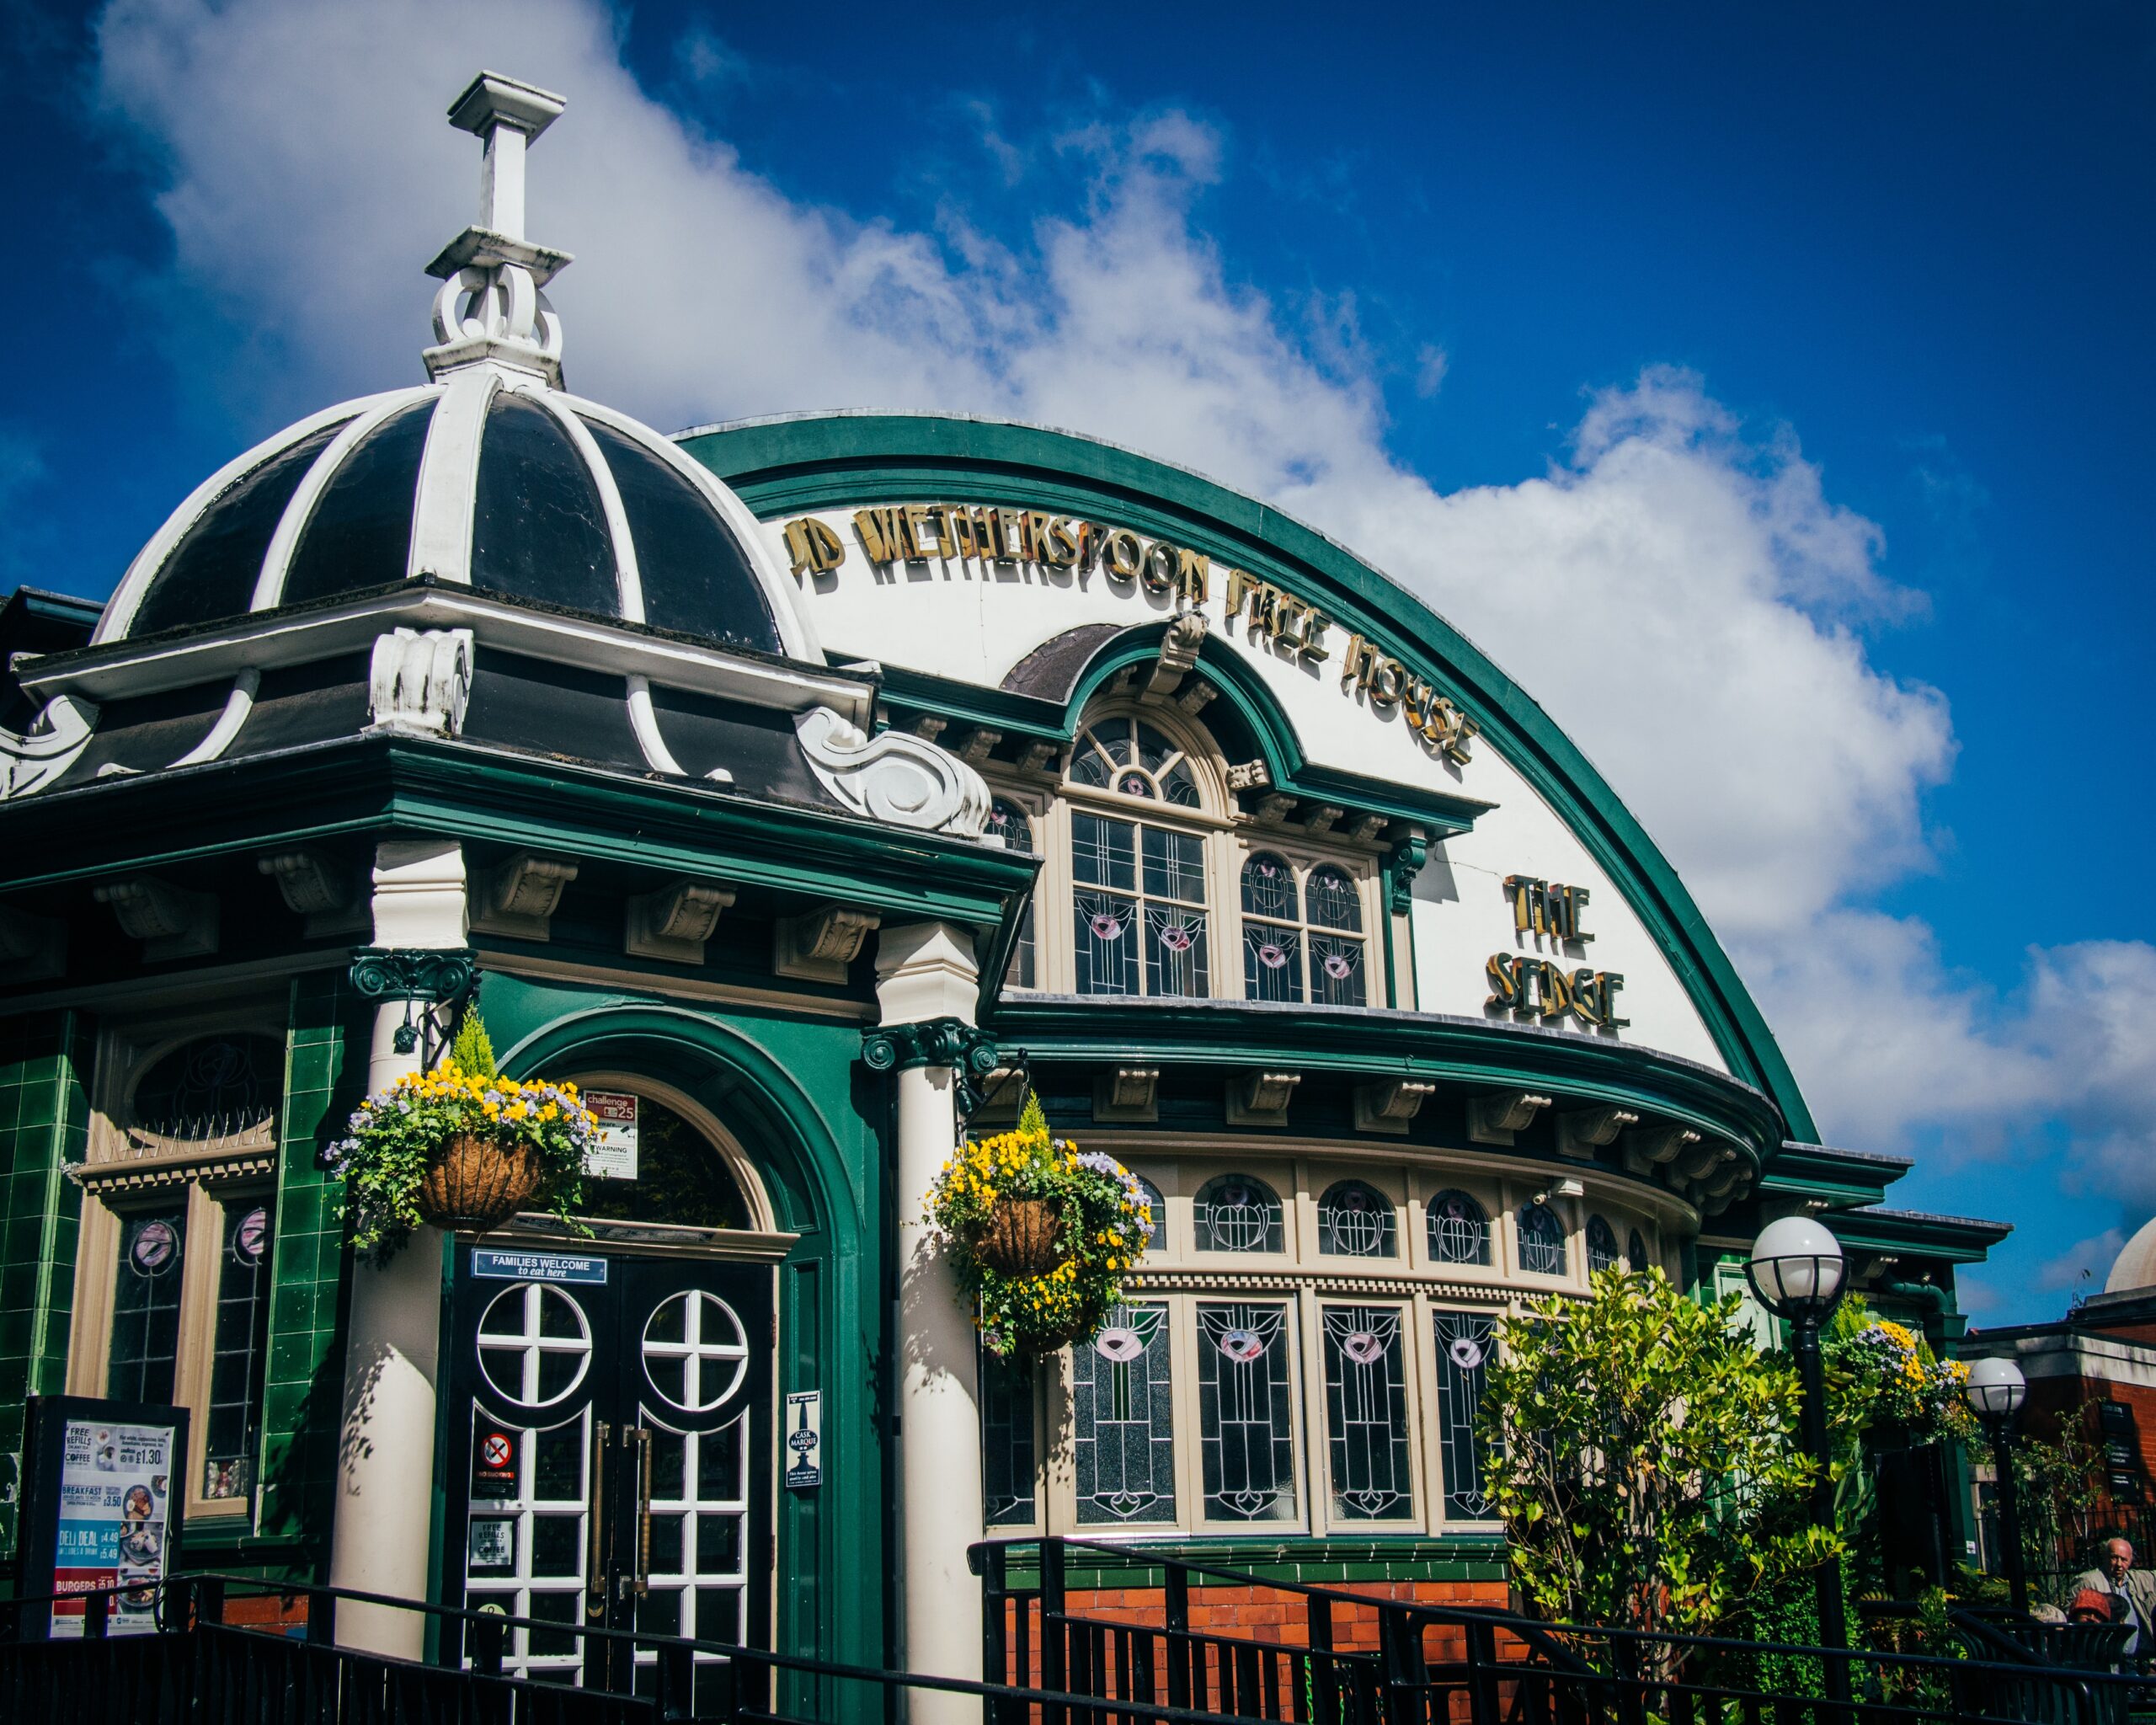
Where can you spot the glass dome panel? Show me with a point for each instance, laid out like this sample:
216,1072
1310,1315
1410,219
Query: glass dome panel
538,528
211,572
361,533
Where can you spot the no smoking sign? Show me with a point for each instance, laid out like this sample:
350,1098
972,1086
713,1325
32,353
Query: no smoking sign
494,1466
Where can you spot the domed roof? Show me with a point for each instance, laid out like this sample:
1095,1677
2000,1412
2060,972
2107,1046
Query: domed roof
488,475
484,477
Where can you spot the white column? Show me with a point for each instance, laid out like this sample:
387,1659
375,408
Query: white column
385,1447
925,970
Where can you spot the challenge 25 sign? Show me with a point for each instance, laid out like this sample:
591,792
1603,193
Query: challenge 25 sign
986,534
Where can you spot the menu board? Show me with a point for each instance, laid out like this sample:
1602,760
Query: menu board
100,1511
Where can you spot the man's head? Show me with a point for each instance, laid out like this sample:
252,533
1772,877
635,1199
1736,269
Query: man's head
2118,1558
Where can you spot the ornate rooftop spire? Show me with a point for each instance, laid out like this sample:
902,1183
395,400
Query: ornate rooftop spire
490,309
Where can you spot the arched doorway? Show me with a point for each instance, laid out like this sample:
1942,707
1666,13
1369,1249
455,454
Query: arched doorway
611,1397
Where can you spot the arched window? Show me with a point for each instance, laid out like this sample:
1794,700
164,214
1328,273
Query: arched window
1636,1253
1157,1232
1130,758
1460,1232
1008,821
1140,920
1355,1221
1541,1241
1237,1213
1301,941
1601,1247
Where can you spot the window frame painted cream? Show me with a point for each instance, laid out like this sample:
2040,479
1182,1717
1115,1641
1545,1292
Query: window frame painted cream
116,1184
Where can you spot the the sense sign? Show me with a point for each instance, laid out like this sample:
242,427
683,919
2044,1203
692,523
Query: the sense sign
1531,987
803,1439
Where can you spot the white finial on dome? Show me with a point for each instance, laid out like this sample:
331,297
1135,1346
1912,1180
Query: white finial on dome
490,309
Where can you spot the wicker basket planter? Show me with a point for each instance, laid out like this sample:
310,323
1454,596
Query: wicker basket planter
1024,1237
475,1185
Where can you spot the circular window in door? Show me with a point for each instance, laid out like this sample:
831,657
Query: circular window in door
695,1350
535,1345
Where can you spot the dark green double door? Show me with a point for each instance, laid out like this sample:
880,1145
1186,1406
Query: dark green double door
614,1416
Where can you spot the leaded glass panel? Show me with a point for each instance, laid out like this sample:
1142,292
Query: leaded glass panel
1464,1341
1123,1420
1272,962
1245,1413
1112,926
1133,760
1460,1232
1541,1241
1355,1221
1006,1442
1333,901
145,1349
1236,1213
239,1353
1601,1246
1335,970
1269,889
1008,821
1366,1413
1175,951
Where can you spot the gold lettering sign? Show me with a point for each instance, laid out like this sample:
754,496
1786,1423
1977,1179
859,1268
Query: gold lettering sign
1290,624
1528,987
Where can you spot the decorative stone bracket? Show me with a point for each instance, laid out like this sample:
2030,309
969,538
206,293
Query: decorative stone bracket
1581,1131
32,948
313,886
1261,1099
419,682
904,781
820,945
522,895
966,1049
31,760
1130,1097
169,920
674,922
1391,1105
1499,1118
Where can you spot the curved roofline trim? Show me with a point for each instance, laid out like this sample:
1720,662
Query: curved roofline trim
771,463
120,610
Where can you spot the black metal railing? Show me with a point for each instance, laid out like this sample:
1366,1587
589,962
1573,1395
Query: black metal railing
1409,1662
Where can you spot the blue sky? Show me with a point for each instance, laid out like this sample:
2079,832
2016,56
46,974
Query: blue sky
1791,367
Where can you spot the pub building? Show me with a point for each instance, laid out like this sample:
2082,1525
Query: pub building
807,788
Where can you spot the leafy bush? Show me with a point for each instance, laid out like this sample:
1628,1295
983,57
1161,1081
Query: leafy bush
394,1136
1645,1459
1104,1218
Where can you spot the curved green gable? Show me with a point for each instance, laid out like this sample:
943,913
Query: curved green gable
783,467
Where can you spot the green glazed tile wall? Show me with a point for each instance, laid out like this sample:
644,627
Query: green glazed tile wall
325,1075
45,1061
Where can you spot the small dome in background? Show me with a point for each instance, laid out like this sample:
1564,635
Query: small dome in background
488,476
2135,1266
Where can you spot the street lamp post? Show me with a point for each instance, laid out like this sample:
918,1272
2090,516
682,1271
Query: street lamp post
1995,1390
1797,1271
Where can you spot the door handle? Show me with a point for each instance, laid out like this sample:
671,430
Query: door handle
642,1584
595,1571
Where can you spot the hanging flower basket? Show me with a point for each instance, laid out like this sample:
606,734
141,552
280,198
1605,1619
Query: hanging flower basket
459,1147
475,1183
1040,1233
1023,1238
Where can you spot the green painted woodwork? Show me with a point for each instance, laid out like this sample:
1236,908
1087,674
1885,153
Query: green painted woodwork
44,1063
1235,1035
327,1040
783,467
1314,1563
790,1090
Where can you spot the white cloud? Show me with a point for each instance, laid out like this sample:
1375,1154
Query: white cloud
1679,591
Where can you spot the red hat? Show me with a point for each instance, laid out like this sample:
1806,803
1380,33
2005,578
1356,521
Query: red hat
2088,1599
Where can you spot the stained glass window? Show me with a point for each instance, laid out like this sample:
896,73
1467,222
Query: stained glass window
1464,1341
1366,1410
145,1305
1009,822
1123,1420
1236,1213
1460,1232
1006,1442
1355,1221
1138,908
239,1352
1601,1246
1636,1253
1133,760
1541,1241
1245,1413
1301,943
